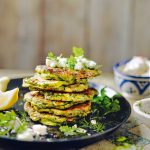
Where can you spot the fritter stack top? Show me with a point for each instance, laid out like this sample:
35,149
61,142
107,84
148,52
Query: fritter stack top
59,89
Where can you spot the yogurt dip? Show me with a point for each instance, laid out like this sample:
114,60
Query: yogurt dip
137,66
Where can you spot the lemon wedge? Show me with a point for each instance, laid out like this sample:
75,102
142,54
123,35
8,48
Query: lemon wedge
3,83
8,99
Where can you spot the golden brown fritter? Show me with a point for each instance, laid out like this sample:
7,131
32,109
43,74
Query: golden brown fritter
74,111
38,100
46,118
52,85
65,74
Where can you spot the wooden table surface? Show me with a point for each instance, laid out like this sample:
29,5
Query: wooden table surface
133,128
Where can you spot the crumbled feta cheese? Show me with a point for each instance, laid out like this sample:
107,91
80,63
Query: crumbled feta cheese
78,66
62,62
80,130
26,135
75,126
93,121
91,64
84,60
51,63
78,59
89,134
39,129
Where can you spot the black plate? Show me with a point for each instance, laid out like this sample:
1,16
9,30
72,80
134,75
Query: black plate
117,119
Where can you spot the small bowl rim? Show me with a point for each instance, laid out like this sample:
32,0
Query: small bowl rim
137,109
118,64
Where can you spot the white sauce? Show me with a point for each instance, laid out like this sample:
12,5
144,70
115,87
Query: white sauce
139,66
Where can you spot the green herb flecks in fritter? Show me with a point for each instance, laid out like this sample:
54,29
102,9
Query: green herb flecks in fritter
37,99
77,110
69,75
45,117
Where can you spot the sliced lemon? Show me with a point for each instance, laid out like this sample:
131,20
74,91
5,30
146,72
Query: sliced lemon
8,99
3,83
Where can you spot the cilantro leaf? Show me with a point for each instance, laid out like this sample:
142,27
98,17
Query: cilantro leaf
78,51
71,62
51,56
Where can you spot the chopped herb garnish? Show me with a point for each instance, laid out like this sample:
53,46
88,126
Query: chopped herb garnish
98,127
51,56
9,122
70,131
78,51
71,62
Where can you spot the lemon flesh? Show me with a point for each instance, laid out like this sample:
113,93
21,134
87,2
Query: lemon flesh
8,99
4,83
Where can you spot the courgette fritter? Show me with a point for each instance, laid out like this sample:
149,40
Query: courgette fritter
46,118
38,100
74,97
66,74
80,110
35,85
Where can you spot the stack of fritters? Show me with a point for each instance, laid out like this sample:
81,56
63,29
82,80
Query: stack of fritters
58,95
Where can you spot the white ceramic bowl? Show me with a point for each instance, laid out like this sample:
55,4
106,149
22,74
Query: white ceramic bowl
131,86
142,111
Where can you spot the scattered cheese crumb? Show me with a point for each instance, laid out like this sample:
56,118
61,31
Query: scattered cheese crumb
89,134
51,63
93,121
39,129
78,66
75,126
26,135
91,64
62,62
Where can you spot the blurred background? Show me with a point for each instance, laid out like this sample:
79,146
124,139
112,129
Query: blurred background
109,30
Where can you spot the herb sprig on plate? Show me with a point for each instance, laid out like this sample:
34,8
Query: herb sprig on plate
103,104
10,123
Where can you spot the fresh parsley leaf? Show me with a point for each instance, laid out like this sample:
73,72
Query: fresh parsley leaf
51,56
78,51
71,62
105,103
